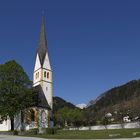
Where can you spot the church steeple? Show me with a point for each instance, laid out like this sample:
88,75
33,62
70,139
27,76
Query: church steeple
42,70
42,48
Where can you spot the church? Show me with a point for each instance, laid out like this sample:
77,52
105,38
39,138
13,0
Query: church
39,116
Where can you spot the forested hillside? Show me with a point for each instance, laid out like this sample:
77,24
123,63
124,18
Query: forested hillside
120,102
59,103
124,100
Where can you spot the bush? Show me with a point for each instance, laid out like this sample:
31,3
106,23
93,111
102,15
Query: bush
51,130
33,131
30,132
15,132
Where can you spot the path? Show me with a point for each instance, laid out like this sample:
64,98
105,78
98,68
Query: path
31,138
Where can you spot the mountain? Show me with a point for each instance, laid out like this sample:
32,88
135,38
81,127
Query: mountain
121,93
81,106
124,99
59,103
94,101
120,101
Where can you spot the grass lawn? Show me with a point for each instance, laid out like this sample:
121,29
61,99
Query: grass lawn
98,134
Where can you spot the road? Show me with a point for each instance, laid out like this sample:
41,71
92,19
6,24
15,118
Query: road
30,138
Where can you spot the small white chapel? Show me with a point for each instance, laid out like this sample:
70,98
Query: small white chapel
39,116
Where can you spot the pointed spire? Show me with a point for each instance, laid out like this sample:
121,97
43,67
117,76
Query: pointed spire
42,49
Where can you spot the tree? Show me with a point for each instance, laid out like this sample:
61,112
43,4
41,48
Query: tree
16,93
67,116
76,117
62,116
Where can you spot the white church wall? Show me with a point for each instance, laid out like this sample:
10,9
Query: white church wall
43,118
37,77
27,127
50,75
46,118
5,126
47,88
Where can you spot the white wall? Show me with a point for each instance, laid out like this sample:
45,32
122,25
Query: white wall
37,63
50,75
98,127
47,89
114,126
5,126
36,81
132,125
111,126
47,62
43,124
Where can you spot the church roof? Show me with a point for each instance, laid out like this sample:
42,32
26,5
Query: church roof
41,100
42,48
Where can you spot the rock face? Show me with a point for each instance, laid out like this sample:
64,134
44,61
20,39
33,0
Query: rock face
81,106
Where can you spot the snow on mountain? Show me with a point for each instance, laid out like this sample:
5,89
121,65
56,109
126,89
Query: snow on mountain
81,106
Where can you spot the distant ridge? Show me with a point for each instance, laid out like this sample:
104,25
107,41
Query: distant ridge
59,103
126,87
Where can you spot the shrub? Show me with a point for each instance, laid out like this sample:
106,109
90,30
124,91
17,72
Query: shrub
30,132
33,131
51,130
15,132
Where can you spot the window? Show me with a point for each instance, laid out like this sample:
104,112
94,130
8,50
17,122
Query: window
45,74
43,116
36,76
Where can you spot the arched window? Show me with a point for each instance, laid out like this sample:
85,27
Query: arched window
47,74
43,116
32,115
44,73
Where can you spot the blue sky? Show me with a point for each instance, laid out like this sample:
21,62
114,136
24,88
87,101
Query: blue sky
94,45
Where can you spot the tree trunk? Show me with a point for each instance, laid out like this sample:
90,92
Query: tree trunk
12,124
22,120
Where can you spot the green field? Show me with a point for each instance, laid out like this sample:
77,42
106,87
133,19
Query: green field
98,134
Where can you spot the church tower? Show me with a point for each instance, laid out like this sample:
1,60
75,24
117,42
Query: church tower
42,70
